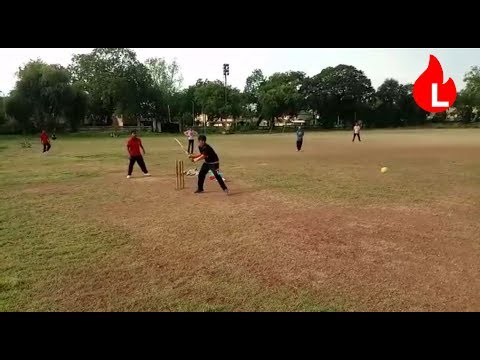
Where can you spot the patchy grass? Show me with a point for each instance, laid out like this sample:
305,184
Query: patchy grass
319,230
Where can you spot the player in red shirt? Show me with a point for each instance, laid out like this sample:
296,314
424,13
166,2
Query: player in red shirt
45,141
134,145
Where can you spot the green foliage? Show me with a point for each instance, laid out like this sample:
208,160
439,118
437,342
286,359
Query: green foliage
211,96
280,95
116,82
43,95
251,94
110,82
218,102
21,109
184,102
468,100
409,110
75,106
166,76
3,117
472,86
388,98
339,91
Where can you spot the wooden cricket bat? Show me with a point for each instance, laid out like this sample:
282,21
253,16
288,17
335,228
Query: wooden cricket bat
179,143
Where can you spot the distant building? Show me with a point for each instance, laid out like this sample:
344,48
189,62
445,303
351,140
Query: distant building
303,118
203,120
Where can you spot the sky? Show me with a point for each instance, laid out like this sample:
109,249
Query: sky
378,64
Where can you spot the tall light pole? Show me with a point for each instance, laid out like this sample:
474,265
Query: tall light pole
226,72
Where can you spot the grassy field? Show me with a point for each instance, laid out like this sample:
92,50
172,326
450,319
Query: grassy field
318,230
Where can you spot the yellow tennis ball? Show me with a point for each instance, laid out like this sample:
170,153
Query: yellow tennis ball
384,169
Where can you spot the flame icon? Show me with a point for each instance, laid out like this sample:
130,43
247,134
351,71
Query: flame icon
429,91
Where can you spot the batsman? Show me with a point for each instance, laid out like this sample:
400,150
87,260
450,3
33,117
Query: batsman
211,163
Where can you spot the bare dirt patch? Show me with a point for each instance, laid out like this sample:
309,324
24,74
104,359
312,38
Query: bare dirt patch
380,259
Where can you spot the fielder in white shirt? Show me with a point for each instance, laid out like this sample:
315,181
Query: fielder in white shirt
190,134
356,132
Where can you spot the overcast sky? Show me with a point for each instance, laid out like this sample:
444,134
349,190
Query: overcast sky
404,65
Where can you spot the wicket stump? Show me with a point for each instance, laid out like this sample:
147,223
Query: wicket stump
180,175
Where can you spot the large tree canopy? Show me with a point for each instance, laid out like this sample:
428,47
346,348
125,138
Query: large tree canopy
216,101
112,81
468,100
3,103
44,94
116,82
338,91
280,95
166,76
251,93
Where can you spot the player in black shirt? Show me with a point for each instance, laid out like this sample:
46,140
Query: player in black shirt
211,163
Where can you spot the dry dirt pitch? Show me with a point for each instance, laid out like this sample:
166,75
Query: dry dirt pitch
319,230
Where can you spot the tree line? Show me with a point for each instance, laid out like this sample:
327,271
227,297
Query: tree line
111,82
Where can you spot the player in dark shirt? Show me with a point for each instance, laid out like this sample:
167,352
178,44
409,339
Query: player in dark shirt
211,163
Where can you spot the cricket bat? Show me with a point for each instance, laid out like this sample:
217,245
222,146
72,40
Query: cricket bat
179,143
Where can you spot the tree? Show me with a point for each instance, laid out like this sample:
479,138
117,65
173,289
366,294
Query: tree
339,91
55,89
32,92
167,81
235,103
116,82
184,105
387,106
210,95
3,103
468,100
410,112
166,76
280,95
472,85
43,94
251,93
20,108
75,107
389,92
394,106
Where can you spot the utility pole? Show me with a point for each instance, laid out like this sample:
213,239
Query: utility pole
226,72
